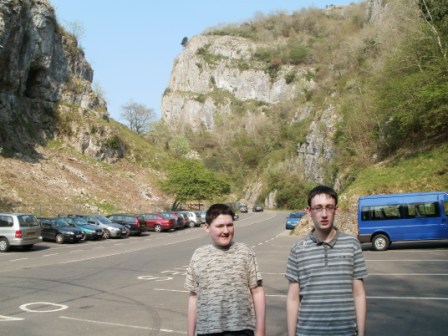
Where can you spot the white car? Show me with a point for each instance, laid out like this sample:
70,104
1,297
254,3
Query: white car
192,218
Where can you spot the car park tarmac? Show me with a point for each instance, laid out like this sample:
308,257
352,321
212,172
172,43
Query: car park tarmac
135,286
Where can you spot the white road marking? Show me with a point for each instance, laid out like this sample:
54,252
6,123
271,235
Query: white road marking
122,325
4,318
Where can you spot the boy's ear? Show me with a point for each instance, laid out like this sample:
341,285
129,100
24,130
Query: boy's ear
206,227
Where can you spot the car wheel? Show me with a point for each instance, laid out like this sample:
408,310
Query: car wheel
192,224
106,234
4,245
158,228
380,242
59,239
84,237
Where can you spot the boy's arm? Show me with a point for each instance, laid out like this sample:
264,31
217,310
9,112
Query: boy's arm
259,299
292,307
191,328
359,298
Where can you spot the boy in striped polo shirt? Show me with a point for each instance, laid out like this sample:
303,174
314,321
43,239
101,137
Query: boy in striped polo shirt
325,270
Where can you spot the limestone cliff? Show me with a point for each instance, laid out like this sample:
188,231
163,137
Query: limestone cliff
215,71
44,77
59,151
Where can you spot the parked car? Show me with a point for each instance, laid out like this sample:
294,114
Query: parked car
192,219
131,221
110,229
180,221
58,230
243,208
293,219
158,222
91,232
200,215
257,208
19,229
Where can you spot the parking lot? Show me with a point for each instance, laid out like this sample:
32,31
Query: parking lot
134,286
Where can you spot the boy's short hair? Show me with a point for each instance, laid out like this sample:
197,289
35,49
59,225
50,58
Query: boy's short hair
321,189
218,209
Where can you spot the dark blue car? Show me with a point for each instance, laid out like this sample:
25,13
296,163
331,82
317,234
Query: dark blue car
294,218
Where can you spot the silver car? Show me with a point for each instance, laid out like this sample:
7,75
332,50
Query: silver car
19,229
110,229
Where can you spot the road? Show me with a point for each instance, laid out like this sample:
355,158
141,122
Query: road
134,286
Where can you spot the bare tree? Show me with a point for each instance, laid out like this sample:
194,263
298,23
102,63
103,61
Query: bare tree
138,116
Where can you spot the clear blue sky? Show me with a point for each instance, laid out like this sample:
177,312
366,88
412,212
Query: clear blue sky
131,44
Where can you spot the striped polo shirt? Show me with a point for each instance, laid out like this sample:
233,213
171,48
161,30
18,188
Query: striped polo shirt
325,272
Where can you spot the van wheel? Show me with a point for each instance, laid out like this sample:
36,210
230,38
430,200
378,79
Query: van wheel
4,245
380,242
28,247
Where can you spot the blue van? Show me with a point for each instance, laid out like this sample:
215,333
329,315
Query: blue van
383,219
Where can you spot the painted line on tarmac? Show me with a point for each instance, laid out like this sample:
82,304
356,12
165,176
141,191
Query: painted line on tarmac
122,325
413,274
171,290
384,297
407,298
4,318
124,252
18,259
408,260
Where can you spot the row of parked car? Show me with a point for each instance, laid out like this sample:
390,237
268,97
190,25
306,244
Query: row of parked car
20,229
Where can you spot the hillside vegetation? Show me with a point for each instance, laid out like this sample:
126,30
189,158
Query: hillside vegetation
380,93
386,81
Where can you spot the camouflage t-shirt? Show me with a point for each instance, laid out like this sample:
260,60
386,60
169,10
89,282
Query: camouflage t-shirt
222,279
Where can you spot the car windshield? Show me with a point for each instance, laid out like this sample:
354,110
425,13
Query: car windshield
61,223
296,215
104,220
80,221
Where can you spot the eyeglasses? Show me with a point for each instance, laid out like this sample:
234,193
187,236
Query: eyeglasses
328,208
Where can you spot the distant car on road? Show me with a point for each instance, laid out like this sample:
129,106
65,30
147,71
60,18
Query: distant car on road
244,209
293,219
257,208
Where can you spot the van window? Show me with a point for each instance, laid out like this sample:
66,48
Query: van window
400,211
6,221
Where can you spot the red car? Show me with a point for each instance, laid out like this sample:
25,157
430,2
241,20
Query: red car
158,222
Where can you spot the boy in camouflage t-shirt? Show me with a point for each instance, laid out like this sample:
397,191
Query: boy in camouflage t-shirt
226,293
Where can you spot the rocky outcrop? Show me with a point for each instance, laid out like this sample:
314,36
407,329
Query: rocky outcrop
214,72
42,69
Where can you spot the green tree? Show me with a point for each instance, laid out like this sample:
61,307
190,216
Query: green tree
189,180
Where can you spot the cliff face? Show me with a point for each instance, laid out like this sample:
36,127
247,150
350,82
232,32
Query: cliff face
41,71
212,64
215,74
59,151
221,76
